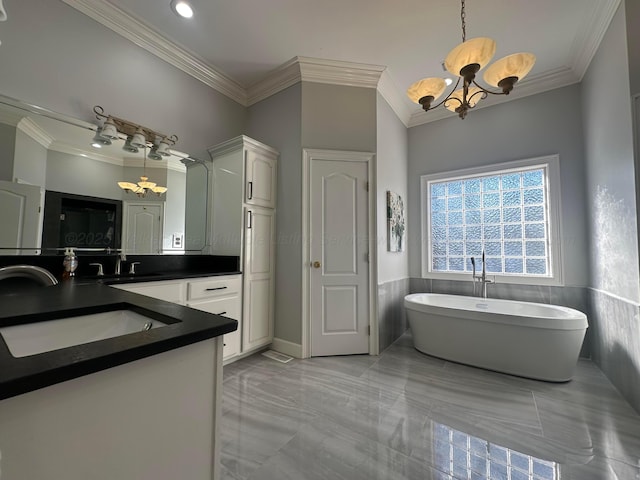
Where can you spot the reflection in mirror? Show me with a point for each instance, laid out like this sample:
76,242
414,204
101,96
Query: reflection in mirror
43,153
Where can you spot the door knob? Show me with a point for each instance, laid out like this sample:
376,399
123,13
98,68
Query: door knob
316,264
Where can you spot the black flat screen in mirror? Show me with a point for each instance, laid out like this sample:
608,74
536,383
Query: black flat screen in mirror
80,221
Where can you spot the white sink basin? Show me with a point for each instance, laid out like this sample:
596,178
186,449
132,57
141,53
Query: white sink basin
39,337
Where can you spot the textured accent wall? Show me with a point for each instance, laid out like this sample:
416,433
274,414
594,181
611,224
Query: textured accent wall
611,171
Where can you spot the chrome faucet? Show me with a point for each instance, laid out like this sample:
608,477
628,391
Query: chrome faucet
121,258
482,278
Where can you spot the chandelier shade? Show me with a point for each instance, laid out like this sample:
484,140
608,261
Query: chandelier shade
477,51
514,66
427,87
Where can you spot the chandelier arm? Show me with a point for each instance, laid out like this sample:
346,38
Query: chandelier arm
483,95
486,90
448,96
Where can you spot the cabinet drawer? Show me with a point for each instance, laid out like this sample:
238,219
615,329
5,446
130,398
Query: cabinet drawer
214,288
167,291
224,306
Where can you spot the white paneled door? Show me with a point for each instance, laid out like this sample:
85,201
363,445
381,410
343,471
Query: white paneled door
20,218
339,249
143,228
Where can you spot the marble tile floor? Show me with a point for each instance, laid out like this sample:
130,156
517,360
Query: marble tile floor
405,415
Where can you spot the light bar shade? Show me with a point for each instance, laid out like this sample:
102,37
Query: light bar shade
426,87
517,65
479,50
109,129
138,139
455,100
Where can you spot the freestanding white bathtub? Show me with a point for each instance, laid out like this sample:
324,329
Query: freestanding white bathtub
520,338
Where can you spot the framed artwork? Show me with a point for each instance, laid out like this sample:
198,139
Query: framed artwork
395,222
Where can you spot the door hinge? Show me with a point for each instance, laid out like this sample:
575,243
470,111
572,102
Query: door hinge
367,258
369,330
366,186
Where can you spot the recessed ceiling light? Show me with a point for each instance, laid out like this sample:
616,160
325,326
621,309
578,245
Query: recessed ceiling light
448,81
182,8
96,145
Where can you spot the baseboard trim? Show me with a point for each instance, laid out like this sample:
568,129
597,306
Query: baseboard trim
286,347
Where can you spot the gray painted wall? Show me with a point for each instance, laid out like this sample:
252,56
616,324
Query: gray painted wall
534,126
7,151
30,161
174,204
83,176
336,117
392,160
615,297
633,43
277,122
56,57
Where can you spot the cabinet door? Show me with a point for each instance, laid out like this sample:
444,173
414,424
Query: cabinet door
259,264
228,306
260,173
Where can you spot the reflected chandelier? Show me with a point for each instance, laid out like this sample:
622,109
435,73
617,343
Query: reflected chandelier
144,185
465,61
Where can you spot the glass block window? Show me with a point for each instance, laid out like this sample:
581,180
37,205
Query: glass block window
467,457
504,212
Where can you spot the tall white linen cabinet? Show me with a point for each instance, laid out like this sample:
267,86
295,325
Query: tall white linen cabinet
243,222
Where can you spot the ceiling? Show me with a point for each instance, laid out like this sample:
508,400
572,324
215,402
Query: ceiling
241,42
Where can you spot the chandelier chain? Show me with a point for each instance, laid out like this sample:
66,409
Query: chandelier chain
463,15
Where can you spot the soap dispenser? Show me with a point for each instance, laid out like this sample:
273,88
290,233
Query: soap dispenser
70,263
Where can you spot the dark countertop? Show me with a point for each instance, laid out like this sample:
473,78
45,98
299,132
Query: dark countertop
21,375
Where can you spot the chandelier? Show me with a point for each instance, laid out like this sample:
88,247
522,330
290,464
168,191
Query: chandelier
465,61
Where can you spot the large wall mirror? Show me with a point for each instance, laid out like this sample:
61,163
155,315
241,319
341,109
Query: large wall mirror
57,190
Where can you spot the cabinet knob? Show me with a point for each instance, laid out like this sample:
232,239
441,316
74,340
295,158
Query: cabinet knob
316,264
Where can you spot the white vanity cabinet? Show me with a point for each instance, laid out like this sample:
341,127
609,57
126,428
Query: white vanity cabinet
243,223
222,296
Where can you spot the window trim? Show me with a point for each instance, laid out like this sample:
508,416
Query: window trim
551,163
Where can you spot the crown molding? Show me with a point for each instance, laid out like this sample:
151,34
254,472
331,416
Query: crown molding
317,70
35,131
335,72
134,30
544,82
586,43
62,147
276,80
